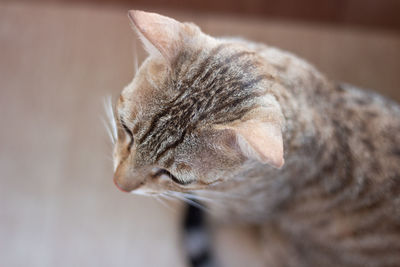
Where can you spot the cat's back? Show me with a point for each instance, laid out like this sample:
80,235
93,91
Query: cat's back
362,200
352,202
351,207
370,124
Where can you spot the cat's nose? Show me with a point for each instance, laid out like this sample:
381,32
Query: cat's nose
126,185
127,182
119,180
120,187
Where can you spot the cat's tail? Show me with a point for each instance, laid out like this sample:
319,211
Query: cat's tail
197,238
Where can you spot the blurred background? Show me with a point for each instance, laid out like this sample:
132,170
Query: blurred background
59,59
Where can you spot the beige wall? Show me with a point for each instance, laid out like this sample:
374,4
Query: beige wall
382,14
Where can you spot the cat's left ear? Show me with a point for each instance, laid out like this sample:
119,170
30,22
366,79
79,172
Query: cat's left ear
160,34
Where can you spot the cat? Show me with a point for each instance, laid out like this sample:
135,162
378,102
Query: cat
314,164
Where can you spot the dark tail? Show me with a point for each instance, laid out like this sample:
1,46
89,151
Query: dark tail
197,238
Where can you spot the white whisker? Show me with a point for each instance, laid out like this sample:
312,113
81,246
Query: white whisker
187,200
107,126
217,194
163,203
167,196
112,126
109,158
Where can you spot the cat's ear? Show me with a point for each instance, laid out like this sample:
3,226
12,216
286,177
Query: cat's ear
159,34
260,140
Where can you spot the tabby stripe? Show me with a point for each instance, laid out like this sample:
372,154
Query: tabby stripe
233,117
154,120
183,72
206,62
157,117
173,145
226,62
347,160
211,70
243,86
232,103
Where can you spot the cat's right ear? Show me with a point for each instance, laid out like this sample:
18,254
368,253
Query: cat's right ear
261,141
159,34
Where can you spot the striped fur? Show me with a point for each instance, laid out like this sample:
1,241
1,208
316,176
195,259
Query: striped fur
335,201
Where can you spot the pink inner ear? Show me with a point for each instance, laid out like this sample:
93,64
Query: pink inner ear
261,141
161,32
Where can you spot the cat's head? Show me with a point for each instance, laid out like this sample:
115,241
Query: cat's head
196,111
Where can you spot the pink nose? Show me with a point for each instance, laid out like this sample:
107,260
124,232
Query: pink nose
119,186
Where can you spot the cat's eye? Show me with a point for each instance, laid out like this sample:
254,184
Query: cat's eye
170,176
128,132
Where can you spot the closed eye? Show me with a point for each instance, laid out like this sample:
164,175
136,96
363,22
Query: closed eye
128,132
171,176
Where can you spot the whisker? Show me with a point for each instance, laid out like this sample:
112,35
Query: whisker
108,157
218,194
163,203
169,197
188,201
110,118
108,130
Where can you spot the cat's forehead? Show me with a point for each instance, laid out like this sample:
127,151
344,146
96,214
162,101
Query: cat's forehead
125,106
144,90
199,86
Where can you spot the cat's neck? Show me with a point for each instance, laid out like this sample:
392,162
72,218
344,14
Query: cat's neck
307,126
306,132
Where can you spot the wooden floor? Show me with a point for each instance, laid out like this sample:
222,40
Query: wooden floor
58,205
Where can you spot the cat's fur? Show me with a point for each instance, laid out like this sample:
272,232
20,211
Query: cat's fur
315,164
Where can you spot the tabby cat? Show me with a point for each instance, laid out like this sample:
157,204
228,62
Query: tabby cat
313,163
